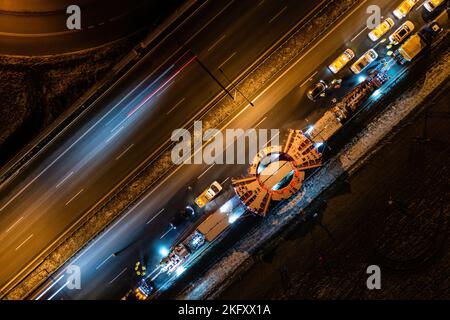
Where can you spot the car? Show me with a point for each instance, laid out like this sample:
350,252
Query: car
404,8
381,29
317,90
210,193
401,33
364,61
430,5
341,61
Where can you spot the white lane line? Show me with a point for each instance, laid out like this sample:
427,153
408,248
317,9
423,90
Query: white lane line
261,2
278,14
156,215
228,59
103,262
73,198
216,43
165,88
198,178
20,245
125,151
262,120
359,33
166,233
13,225
114,135
118,275
223,182
420,6
176,105
64,180
308,80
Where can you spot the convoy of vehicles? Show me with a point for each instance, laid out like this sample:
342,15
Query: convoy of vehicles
364,61
381,29
401,33
341,61
209,194
404,8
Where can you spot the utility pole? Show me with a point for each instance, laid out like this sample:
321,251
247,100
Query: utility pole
235,87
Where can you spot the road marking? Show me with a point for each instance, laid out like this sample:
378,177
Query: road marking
359,33
118,275
262,120
164,90
309,79
420,6
13,225
278,14
64,180
223,182
156,215
20,245
103,262
166,233
216,43
115,134
125,151
73,198
198,178
176,105
228,59
261,2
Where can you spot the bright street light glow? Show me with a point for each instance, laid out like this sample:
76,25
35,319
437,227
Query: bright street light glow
163,251
361,79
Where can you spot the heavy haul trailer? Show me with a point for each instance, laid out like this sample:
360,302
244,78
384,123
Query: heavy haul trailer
206,232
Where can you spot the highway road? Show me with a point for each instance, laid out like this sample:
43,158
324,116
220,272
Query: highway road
130,121
107,263
42,29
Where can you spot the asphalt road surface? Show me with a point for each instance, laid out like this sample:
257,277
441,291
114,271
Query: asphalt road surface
130,121
42,30
107,264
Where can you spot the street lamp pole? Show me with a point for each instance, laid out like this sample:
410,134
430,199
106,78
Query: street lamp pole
235,87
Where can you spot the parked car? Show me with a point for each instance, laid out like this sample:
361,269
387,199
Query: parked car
381,29
404,8
430,5
210,193
401,33
364,61
341,61
317,90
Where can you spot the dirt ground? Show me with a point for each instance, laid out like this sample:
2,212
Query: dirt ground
394,212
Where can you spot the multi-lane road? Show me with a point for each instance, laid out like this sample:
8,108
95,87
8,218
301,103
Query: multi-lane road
107,263
130,121
30,29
